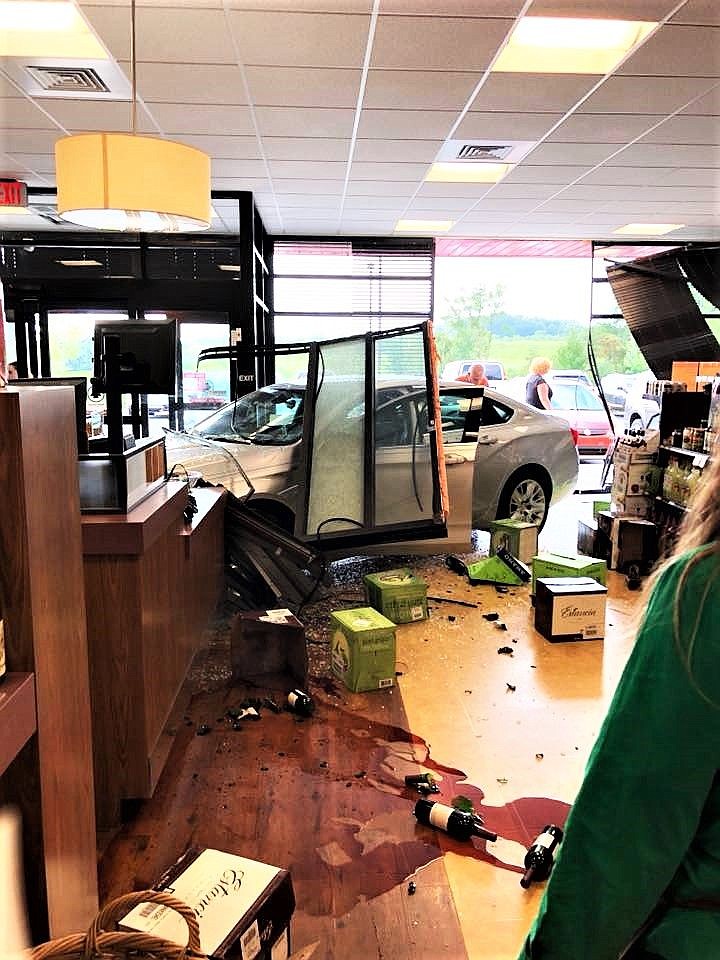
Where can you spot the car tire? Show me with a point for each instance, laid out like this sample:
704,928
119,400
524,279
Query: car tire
526,496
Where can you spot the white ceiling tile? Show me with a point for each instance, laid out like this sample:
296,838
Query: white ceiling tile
567,154
677,51
655,95
389,171
437,43
512,126
506,205
224,148
294,87
533,174
308,122
238,168
606,9
608,128
236,183
29,141
174,34
523,191
699,11
306,148
409,124
435,204
44,164
457,190
311,187
418,90
357,213
647,176
297,39
7,89
308,6
22,113
567,206
173,82
684,129
368,188
397,151
531,93
478,214
661,155
707,105
456,8
202,119
301,169
326,201
85,115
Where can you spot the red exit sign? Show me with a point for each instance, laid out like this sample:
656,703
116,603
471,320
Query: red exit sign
13,193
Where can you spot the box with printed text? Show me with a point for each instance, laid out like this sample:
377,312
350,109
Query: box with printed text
243,907
557,565
398,594
570,608
518,537
362,649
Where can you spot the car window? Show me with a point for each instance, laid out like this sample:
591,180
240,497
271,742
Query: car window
463,417
272,416
574,396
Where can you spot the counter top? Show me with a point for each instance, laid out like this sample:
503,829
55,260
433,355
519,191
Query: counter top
136,531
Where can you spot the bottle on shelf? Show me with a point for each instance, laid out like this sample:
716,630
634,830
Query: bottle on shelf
539,858
456,823
300,702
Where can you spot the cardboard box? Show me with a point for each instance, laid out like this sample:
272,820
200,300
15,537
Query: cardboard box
516,536
570,608
632,479
599,505
267,644
587,537
632,506
557,565
634,542
243,907
362,649
398,594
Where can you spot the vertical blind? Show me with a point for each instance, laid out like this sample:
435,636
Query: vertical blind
326,289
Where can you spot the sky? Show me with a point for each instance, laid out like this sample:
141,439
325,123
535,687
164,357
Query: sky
557,289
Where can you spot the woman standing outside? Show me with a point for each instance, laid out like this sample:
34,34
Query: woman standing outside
638,873
537,390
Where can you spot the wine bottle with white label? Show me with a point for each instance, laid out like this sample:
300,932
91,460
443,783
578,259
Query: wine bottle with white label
456,823
539,858
300,702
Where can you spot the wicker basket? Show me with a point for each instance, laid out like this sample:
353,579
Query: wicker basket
104,940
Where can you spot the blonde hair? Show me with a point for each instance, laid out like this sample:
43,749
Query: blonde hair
540,365
699,531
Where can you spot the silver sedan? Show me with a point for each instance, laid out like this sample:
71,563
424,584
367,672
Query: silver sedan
502,457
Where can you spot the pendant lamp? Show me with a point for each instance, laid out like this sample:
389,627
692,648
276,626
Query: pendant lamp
126,182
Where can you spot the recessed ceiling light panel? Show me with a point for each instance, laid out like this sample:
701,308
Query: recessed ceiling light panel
570,45
649,229
467,172
424,226
37,28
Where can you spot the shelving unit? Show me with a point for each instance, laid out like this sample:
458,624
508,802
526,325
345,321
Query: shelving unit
50,776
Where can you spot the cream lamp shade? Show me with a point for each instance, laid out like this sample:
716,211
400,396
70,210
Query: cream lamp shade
122,181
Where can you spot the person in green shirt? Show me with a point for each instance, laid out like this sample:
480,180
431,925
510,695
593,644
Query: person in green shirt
638,873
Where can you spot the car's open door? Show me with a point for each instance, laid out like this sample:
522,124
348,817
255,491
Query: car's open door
378,478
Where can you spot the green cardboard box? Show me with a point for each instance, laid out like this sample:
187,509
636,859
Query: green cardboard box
398,594
517,536
362,649
556,565
598,506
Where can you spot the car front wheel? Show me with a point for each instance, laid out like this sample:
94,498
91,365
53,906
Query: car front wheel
525,496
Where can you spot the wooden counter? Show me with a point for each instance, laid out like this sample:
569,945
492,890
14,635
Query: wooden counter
151,583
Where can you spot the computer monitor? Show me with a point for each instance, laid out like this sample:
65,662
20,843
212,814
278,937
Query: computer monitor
80,386
147,354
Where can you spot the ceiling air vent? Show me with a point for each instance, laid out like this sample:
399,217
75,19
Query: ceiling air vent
484,151
67,79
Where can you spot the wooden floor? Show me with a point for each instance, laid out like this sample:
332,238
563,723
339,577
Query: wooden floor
325,797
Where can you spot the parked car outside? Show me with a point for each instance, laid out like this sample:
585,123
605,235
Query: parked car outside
494,370
573,376
617,386
583,410
641,411
502,457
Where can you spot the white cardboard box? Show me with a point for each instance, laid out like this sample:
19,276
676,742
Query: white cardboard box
243,907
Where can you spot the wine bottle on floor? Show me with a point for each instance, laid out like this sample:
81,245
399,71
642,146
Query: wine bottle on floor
539,858
300,702
456,823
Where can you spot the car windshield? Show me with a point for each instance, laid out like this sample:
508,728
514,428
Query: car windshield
573,396
272,416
